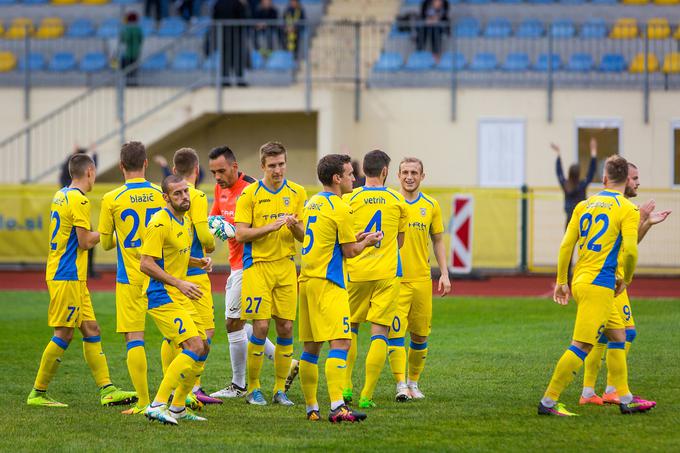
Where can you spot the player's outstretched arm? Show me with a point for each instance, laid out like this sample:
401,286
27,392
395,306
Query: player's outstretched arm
246,233
444,286
352,249
148,265
86,238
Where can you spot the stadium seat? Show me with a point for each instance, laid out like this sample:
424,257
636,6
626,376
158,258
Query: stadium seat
450,61
658,28
635,2
605,2
280,60
35,2
625,28
64,2
467,27
541,2
19,27
484,61
510,1
498,28
516,61
95,2
201,26
594,29
637,65
155,62
572,2
124,2
210,63
671,63
109,29
612,62
563,28
171,27
7,61
389,62
61,62
148,26
256,60
530,28
542,62
8,2
50,28
580,62
421,60
80,28
93,62
478,2
666,2
186,60
35,62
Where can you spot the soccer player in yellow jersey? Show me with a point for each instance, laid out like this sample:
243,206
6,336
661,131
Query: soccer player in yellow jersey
66,276
593,362
414,311
124,215
165,258
601,226
373,276
268,220
324,302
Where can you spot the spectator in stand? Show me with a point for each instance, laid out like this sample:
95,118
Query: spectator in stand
234,55
573,186
292,16
434,18
160,8
265,30
131,39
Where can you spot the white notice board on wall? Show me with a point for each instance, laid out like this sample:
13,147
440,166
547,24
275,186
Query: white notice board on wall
501,152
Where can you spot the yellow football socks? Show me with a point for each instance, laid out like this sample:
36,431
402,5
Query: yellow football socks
396,353
182,365
309,378
49,362
417,354
351,359
96,360
336,364
593,363
186,385
137,367
168,353
283,355
566,368
375,361
617,366
254,363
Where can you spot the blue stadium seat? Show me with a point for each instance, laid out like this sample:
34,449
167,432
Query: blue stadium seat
542,62
498,28
61,62
563,28
210,63
148,26
36,62
171,27
389,62
510,1
256,60
186,60
35,2
467,27
156,62
613,62
396,33
484,61
109,29
594,29
541,2
451,60
516,61
93,62
7,2
580,62
201,26
572,2
478,2
421,60
605,2
530,28
80,28
280,60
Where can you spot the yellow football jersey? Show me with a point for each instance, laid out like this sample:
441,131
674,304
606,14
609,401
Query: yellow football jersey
168,240
198,213
66,261
328,223
377,209
599,224
258,206
126,211
424,219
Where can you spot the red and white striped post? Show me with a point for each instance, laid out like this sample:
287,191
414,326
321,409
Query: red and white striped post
460,231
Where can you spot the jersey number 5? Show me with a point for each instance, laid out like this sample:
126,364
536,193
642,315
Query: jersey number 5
310,234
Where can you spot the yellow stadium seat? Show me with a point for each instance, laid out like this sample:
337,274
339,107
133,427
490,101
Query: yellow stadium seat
64,2
7,61
635,2
658,28
638,63
95,2
625,28
18,28
671,63
666,2
50,28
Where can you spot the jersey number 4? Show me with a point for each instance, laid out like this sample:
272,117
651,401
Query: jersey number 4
376,221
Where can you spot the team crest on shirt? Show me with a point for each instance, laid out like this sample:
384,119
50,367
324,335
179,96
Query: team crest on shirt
286,201
423,212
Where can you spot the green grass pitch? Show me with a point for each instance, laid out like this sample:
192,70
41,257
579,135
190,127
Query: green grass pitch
489,362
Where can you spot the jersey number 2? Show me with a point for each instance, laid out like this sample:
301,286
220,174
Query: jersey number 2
130,242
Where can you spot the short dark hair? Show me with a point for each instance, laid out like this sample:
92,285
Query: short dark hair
222,151
374,162
171,179
330,165
185,160
616,169
132,156
270,149
78,165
